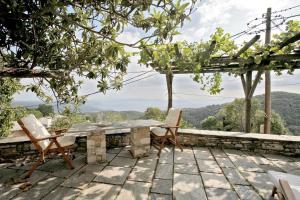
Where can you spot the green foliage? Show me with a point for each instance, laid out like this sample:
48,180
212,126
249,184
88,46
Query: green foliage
46,110
8,87
68,119
58,41
231,118
154,113
211,123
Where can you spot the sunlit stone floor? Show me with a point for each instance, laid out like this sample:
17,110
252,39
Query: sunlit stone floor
195,173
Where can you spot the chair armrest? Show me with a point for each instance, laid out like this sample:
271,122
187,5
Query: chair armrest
286,189
58,131
166,126
49,138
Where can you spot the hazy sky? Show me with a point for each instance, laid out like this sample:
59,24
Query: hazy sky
232,16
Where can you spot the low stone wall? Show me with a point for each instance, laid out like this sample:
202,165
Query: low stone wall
262,143
276,144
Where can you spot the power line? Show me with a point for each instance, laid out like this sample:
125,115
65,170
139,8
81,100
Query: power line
284,10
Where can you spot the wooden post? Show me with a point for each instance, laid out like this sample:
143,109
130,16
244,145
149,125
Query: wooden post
169,79
248,102
267,121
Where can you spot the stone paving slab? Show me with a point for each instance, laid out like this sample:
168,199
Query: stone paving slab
234,176
125,153
259,160
186,168
113,175
245,164
114,150
188,187
155,196
215,180
9,190
221,194
164,171
141,174
261,182
63,193
83,177
162,186
218,153
208,166
65,172
202,153
110,156
185,156
246,192
134,191
277,157
285,165
166,156
41,189
224,162
99,191
123,162
147,162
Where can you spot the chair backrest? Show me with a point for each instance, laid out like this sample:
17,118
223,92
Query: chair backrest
173,118
34,129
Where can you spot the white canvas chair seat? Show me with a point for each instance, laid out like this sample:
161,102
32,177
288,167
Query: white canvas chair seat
45,142
293,181
158,131
168,131
65,141
37,129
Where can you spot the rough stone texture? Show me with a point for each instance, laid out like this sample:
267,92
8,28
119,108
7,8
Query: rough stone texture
123,162
155,196
285,145
96,147
164,171
63,193
134,191
99,191
215,180
208,166
162,186
246,192
221,194
144,174
186,169
234,176
140,141
188,187
113,175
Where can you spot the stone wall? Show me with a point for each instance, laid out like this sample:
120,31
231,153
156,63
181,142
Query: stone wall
277,144
262,143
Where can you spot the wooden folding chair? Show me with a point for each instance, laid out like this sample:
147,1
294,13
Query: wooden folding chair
46,143
167,132
286,186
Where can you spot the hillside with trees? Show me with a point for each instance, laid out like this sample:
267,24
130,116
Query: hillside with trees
286,105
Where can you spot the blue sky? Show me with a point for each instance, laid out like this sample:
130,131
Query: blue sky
232,16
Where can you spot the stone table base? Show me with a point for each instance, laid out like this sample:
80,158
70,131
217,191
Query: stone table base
96,147
140,141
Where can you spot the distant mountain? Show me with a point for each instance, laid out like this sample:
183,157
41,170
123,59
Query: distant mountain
284,103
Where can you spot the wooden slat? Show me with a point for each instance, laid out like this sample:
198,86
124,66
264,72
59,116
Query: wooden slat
247,46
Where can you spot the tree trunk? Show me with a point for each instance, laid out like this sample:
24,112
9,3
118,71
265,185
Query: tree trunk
248,102
169,79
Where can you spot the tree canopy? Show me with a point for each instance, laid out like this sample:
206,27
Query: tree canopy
60,43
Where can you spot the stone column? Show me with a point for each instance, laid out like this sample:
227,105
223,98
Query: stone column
96,146
140,141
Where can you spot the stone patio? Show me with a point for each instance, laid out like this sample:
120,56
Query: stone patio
195,173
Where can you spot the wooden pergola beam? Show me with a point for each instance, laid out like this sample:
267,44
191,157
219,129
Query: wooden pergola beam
247,46
29,73
293,39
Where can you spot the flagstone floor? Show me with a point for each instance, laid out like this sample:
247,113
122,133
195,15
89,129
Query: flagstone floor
195,173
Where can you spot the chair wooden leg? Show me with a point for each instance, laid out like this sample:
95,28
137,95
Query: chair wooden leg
162,145
274,191
65,157
34,166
